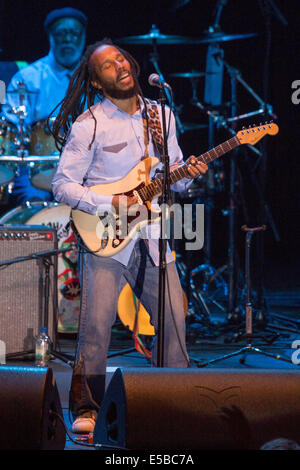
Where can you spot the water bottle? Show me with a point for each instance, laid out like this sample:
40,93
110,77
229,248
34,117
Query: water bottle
42,348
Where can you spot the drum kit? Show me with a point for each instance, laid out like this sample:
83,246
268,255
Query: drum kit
32,146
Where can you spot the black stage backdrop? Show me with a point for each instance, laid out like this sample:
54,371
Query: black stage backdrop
22,38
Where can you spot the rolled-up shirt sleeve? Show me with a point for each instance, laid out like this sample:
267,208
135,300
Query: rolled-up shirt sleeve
68,182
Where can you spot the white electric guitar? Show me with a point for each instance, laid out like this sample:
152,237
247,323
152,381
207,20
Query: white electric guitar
105,234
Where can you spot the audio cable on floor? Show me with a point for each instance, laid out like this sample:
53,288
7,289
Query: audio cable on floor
85,444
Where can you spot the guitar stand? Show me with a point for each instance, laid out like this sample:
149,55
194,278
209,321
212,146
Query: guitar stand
45,257
248,308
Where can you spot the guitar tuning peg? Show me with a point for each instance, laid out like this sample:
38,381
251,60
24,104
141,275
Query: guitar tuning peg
243,127
260,123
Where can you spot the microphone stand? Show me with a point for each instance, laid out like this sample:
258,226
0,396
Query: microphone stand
165,197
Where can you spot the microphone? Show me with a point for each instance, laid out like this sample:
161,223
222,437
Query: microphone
155,80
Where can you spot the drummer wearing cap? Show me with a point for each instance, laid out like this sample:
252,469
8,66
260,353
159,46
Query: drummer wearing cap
46,81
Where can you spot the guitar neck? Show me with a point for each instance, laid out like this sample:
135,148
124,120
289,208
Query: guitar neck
154,189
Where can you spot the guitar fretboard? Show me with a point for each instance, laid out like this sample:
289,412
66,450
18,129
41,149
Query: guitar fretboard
154,189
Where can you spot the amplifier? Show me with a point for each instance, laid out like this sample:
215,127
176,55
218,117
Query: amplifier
22,286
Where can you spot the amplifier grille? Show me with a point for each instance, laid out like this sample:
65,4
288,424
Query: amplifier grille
22,286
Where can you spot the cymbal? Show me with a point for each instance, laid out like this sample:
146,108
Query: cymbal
193,74
155,36
215,37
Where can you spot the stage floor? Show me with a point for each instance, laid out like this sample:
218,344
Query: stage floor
207,339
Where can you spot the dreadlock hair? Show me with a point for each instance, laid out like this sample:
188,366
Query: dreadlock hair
82,93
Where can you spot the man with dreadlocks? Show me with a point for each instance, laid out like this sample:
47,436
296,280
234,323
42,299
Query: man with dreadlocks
104,143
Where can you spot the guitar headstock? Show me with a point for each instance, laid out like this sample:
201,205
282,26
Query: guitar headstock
252,135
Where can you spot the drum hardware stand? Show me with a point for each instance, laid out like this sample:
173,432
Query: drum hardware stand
232,213
210,273
45,258
195,297
198,310
154,58
264,208
248,309
221,121
21,113
21,139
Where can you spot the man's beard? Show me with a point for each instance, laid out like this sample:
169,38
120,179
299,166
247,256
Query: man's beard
67,59
116,93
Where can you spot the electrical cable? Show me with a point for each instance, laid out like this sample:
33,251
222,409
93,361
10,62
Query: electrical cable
95,446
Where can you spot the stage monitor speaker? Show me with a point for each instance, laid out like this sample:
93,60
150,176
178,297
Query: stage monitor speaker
189,409
22,286
28,396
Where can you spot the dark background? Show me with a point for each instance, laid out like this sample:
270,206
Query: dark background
22,37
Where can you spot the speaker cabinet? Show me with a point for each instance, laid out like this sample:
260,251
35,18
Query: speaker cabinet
22,286
28,396
199,409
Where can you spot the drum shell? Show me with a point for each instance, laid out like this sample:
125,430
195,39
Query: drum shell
8,138
8,147
42,141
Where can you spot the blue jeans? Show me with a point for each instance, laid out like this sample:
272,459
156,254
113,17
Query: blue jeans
101,282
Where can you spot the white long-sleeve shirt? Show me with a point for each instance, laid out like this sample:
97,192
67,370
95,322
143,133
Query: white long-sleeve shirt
118,146
48,81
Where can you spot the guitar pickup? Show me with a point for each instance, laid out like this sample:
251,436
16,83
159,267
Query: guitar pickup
135,193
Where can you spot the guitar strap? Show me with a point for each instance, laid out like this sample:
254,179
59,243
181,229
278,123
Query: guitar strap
154,127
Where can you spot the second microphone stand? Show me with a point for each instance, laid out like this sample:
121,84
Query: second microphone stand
248,335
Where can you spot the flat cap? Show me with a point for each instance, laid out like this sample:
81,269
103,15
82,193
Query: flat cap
67,12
